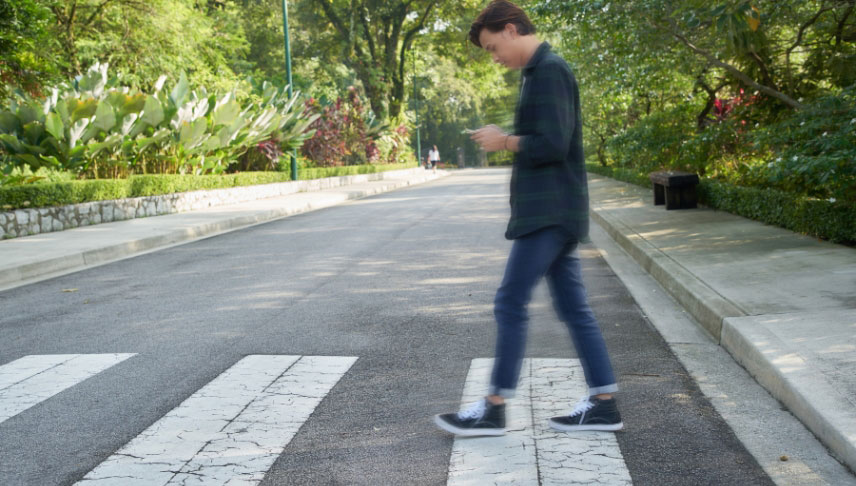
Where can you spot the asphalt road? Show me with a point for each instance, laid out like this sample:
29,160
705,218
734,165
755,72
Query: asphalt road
403,281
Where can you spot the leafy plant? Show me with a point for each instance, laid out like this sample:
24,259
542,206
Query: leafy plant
95,127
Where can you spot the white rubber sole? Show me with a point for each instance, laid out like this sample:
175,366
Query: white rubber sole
466,432
582,428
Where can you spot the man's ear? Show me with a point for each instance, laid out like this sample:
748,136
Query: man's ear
511,30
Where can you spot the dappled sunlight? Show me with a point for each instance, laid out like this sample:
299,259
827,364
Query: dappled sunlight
789,363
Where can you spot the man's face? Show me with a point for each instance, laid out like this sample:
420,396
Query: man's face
502,46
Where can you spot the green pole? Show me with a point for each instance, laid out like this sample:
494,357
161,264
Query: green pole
288,74
418,134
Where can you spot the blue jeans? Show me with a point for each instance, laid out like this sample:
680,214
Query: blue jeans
546,252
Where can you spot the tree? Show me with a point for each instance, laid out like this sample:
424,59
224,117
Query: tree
26,47
374,37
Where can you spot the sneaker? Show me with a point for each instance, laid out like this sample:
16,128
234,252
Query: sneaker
590,414
480,418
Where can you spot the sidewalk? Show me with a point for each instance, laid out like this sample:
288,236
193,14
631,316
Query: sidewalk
31,258
783,304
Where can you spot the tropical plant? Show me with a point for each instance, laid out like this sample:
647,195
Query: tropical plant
95,127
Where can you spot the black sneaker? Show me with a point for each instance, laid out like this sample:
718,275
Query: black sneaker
480,418
590,414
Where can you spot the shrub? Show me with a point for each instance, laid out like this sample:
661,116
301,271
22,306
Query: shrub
348,133
46,194
95,127
813,151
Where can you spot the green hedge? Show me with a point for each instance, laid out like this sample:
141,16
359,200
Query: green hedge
322,172
833,221
48,194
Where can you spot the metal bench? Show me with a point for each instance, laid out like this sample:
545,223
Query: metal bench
675,189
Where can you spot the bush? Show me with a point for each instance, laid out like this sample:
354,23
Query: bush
348,133
654,142
833,221
813,151
46,194
321,172
95,128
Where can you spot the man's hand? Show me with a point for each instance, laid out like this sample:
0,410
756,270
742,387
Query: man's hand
491,138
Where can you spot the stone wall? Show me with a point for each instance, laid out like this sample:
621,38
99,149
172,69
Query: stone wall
25,222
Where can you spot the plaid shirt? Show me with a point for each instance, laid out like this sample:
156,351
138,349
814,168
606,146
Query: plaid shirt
548,181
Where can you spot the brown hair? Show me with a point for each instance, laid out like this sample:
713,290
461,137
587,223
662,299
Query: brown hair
496,16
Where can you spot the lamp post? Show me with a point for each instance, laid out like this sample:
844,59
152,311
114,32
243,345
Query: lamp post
288,74
418,126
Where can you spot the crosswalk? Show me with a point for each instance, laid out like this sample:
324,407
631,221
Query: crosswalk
30,380
531,453
233,429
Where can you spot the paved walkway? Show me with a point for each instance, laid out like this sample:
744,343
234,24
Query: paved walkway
32,258
783,304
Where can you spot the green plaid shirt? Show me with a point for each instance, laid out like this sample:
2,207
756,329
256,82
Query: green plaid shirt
548,181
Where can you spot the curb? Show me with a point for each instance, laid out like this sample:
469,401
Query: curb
797,386
12,277
717,315
705,304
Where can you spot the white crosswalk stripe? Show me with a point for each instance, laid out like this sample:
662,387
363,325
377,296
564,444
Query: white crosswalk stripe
531,453
33,379
232,430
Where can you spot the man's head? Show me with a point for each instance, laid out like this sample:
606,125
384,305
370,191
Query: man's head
505,31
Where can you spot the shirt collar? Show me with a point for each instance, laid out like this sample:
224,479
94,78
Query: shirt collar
542,51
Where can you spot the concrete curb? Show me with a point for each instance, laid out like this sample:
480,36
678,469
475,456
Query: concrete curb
706,305
772,362
15,276
800,387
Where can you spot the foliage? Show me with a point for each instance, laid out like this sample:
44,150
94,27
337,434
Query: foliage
94,122
322,172
754,93
46,194
373,38
458,86
348,133
653,142
24,34
814,150
12,175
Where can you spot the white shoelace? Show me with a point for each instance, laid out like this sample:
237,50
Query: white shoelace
475,410
582,406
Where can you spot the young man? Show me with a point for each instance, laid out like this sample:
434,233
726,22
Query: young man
549,218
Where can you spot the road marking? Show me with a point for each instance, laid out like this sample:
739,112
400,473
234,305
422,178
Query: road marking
232,430
531,453
30,380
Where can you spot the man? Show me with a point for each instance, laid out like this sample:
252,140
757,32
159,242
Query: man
549,218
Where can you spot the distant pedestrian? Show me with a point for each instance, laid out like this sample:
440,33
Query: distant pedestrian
549,219
434,157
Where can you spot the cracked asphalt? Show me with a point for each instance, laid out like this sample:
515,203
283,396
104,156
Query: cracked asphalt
404,281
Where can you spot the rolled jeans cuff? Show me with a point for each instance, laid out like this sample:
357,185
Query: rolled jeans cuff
597,390
502,392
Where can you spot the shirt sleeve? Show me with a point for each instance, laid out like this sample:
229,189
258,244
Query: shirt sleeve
551,92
